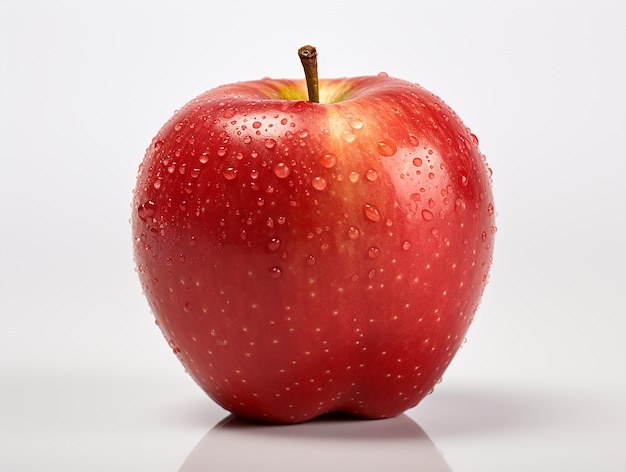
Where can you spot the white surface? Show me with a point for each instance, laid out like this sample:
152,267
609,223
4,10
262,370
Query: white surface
87,383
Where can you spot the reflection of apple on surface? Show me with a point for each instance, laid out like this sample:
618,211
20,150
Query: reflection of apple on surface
304,257
327,443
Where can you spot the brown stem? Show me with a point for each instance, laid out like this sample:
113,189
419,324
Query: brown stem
308,57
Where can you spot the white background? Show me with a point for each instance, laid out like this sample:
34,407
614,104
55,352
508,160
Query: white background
87,382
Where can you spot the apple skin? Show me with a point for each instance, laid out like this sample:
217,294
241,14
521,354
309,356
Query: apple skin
302,258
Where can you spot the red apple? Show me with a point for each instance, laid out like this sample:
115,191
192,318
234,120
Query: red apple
302,257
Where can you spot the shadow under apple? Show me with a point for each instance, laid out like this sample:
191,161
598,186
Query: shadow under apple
458,413
331,442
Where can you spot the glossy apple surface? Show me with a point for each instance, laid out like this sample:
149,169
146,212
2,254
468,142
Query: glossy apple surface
302,258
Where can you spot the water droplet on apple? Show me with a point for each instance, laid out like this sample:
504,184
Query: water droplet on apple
460,206
328,161
348,136
247,139
276,272
416,197
371,175
386,149
474,139
274,244
173,346
229,113
270,143
229,173
178,126
413,141
157,144
187,307
417,162
356,124
383,74
319,183
483,237
282,170
427,215
354,177
310,260
490,209
463,176
373,252
353,232
256,125
204,158
406,245
146,210
371,212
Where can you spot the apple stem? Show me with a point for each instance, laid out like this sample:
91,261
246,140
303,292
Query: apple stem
308,57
